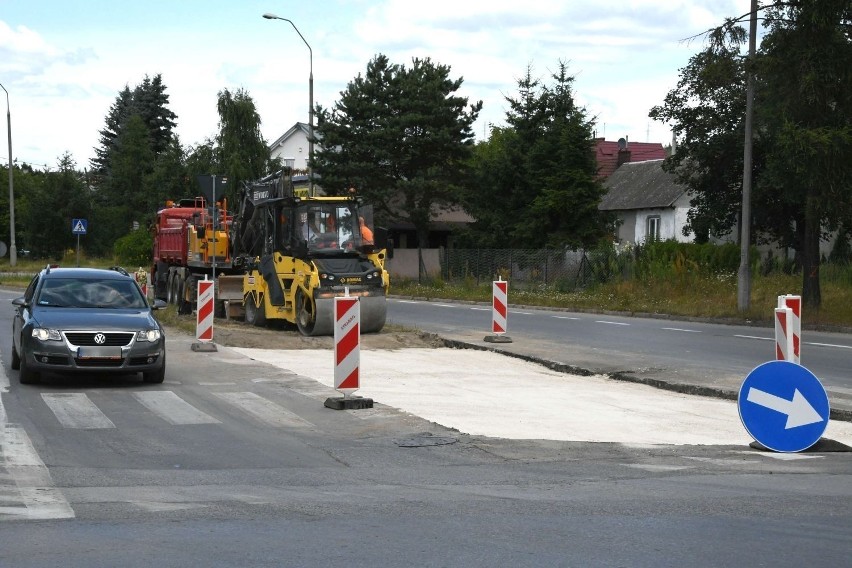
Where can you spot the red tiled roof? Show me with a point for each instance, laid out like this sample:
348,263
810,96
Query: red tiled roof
606,154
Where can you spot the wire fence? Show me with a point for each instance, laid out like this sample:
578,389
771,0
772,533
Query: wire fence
530,267
572,270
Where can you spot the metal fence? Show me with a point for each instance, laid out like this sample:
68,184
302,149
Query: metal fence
529,267
572,270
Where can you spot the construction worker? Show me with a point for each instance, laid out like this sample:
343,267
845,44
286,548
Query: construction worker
366,233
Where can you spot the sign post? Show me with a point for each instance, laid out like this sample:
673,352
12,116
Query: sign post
78,227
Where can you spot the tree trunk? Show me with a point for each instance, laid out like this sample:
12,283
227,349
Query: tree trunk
811,296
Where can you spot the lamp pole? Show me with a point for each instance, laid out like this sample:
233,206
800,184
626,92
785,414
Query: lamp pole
13,251
269,16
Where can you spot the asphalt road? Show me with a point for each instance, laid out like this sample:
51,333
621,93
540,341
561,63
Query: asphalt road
232,461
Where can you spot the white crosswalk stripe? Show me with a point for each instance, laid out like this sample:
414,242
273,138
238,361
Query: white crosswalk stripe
264,410
75,410
78,411
30,492
173,409
27,490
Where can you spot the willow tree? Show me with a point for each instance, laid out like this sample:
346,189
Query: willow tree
242,153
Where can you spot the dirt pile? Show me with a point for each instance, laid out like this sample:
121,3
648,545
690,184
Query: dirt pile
239,334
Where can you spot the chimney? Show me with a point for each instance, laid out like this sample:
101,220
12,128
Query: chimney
623,152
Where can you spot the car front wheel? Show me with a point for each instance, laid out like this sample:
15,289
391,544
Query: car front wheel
157,376
16,359
26,375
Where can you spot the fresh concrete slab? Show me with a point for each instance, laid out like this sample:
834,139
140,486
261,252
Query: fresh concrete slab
488,394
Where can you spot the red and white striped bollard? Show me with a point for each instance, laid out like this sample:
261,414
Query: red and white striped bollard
347,354
204,318
794,304
499,312
347,345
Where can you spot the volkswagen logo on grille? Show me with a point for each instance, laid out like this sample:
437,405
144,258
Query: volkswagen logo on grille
100,338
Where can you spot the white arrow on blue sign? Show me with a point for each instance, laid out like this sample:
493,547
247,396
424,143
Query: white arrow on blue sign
78,226
783,406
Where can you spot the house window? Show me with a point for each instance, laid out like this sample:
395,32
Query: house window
652,228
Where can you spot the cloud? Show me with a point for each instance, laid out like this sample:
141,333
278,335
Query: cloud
64,70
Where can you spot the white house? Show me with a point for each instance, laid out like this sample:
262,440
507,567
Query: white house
292,147
647,202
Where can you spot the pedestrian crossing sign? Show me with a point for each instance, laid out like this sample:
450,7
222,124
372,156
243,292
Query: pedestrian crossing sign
78,226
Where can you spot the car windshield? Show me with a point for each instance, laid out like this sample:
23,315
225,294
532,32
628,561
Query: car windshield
90,293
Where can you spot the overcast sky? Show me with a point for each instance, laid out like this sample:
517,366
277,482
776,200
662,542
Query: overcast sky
64,62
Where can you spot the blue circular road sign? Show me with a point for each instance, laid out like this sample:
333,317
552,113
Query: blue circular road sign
783,406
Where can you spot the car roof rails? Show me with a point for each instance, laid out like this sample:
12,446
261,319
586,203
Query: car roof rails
120,270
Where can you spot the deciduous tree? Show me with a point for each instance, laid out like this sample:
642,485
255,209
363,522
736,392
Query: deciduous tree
803,128
50,206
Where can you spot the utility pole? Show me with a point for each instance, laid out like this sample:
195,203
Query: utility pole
744,275
13,251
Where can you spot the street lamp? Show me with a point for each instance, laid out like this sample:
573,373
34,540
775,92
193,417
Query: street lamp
13,251
269,16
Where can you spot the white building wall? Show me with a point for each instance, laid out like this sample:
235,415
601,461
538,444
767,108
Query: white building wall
293,151
670,226
680,215
672,221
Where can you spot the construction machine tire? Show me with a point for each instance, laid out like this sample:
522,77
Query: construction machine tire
170,288
255,315
374,311
314,318
180,286
185,303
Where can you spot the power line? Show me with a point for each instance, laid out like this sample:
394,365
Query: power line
19,162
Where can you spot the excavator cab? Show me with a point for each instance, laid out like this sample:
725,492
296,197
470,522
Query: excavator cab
328,229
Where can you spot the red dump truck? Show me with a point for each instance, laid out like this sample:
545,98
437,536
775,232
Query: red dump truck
191,243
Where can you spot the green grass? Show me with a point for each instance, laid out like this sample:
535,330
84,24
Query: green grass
691,296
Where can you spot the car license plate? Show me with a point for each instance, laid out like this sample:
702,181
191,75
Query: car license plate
99,353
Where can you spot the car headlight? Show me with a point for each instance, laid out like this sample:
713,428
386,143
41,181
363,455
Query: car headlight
151,335
44,334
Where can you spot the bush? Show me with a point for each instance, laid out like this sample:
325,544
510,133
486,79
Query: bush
134,249
658,259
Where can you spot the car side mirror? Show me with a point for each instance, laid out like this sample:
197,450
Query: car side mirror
159,304
22,301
